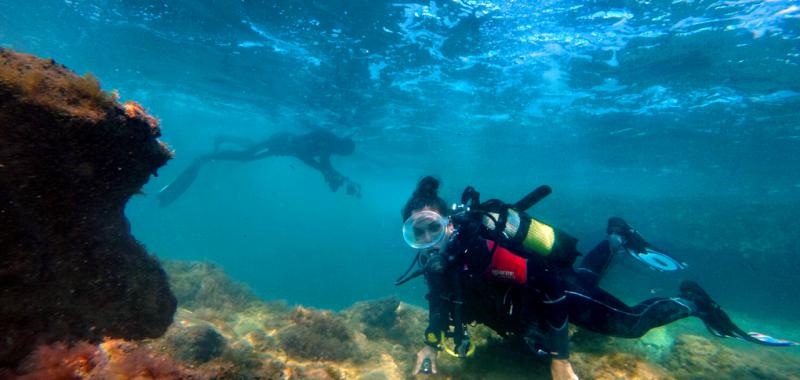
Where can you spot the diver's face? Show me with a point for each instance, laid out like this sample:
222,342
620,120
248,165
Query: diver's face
428,230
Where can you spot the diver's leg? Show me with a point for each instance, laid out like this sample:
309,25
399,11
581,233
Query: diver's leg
595,263
621,236
545,284
230,155
242,142
595,309
171,192
716,320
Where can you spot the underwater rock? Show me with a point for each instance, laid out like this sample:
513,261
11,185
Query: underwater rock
379,317
381,313
318,335
617,366
388,319
268,340
195,344
70,158
695,357
203,285
656,345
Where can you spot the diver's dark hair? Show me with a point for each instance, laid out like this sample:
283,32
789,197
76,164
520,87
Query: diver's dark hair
426,194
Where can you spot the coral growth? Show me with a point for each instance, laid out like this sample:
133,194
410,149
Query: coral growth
58,361
113,359
70,158
135,110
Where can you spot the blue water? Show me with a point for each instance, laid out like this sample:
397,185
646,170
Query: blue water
683,117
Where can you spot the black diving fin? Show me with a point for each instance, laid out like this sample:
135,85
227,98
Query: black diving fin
635,245
171,192
719,323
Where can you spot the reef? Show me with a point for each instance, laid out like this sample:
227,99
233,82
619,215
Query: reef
247,338
70,158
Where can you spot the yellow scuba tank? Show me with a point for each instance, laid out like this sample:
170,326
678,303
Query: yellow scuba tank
530,234
512,227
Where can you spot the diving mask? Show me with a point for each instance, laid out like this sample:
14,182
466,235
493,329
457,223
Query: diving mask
424,229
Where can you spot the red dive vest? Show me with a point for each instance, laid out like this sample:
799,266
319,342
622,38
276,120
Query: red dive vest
506,265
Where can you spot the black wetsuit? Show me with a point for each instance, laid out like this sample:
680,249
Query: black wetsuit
313,149
539,309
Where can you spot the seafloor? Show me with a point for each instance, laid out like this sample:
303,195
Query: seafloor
223,331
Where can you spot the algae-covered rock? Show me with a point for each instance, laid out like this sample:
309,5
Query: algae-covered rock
318,335
380,318
695,357
195,343
656,345
203,285
70,158
617,365
389,319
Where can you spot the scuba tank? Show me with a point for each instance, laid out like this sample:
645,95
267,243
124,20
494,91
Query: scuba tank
512,227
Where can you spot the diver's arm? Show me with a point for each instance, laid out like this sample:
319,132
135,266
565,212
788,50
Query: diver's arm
323,165
438,310
437,323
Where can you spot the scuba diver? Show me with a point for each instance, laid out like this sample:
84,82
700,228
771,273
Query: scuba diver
493,264
313,149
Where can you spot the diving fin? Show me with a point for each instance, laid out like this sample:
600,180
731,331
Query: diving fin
719,323
633,243
176,188
770,341
657,260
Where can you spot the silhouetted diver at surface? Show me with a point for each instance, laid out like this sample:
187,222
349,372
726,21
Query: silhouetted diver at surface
313,148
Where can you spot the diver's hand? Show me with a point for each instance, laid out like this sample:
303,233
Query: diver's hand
561,369
426,352
353,188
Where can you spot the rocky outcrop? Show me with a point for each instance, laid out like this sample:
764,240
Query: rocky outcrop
70,158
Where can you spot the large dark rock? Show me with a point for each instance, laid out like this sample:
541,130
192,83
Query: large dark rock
70,158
